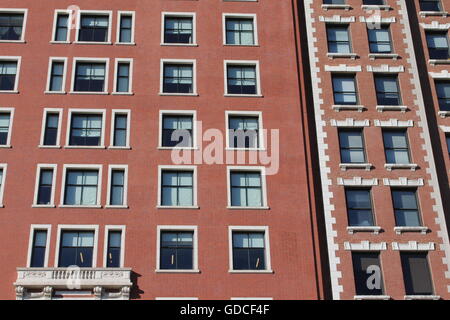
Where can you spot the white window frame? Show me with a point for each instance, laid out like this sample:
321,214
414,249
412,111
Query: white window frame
82,227
131,14
192,15
130,62
94,167
179,228
252,16
89,60
252,63
49,75
192,62
262,171
69,23
58,111
261,136
264,229
194,187
33,229
109,228
11,118
24,26
107,13
124,168
18,60
4,167
116,112
39,168
192,113
101,112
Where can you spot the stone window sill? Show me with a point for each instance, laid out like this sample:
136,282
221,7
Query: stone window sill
381,297
422,297
392,108
347,166
336,6
374,229
400,230
333,55
433,13
393,56
341,107
392,166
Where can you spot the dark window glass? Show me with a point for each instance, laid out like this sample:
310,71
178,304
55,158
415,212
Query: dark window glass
430,5
94,28
406,208
5,119
177,131
114,248
246,189
38,250
62,27
443,93
51,129
57,76
374,2
123,77
178,30
438,45
338,39
239,31
359,207
11,25
8,72
178,78
76,249
177,188
447,138
416,273
45,186
241,80
380,39
117,187
367,273
396,147
334,1
243,132
120,130
388,93
249,251
126,27
177,250
344,90
352,146
85,130
90,77
81,187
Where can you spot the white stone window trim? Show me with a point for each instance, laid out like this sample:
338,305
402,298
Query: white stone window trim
251,298
192,62
108,229
265,229
24,26
18,60
261,136
349,107
377,19
376,7
77,60
252,16
357,182
247,63
425,14
108,13
101,112
374,56
33,229
404,182
177,228
259,169
394,166
402,109
413,246
121,14
175,298
420,297
57,13
130,62
176,168
365,246
400,230
3,167
192,113
40,167
343,68
114,113
375,297
93,167
58,111
373,229
11,119
334,55
385,68
350,123
327,7
49,75
335,19
193,15
435,26
111,168
76,227
444,74
394,123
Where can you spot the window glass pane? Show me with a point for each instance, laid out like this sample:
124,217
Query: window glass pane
40,239
363,262
241,240
416,273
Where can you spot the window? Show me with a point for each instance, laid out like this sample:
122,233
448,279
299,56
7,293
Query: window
344,90
125,32
57,72
338,39
45,186
243,131
177,130
177,250
247,188
438,45
359,207
117,193
374,2
430,5
86,129
388,93
12,26
380,39
178,78
38,250
406,208
61,32
120,129
416,273
8,75
94,27
351,143
2,182
123,76
90,77
242,79
396,147
177,188
76,249
334,1
443,93
51,128
240,30
249,251
5,128
447,138
365,266
114,251
81,187
178,29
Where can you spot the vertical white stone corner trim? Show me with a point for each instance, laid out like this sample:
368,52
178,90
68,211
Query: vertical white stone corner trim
403,182
413,246
333,247
365,246
436,193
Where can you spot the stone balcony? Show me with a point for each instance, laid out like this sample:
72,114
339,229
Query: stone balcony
96,283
